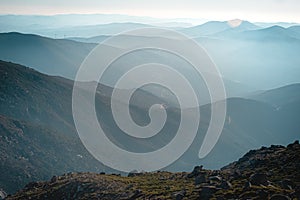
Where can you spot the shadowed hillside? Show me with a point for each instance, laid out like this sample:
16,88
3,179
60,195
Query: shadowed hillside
42,104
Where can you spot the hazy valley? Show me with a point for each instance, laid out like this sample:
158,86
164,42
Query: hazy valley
259,64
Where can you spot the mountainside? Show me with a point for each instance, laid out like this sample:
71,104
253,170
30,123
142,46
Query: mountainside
38,136
50,56
294,31
267,173
270,34
31,152
24,98
241,56
42,104
279,96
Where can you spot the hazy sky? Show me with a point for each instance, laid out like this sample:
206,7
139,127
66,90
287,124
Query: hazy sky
253,10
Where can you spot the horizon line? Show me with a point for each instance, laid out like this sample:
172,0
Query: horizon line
151,17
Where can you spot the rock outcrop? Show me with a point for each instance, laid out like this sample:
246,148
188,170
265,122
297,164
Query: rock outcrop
267,173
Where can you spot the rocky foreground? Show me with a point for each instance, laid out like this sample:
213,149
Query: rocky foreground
267,173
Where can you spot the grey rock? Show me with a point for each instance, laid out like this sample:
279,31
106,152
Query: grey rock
225,185
196,171
200,179
247,185
53,179
3,194
179,195
287,184
136,194
215,178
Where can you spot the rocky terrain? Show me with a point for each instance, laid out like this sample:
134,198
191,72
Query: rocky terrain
267,173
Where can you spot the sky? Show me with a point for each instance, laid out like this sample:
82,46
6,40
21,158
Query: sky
252,10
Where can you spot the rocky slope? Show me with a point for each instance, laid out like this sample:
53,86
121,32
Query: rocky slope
267,173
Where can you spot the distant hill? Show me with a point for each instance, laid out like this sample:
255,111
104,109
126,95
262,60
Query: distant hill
213,27
93,30
266,173
283,24
95,39
270,34
280,96
295,31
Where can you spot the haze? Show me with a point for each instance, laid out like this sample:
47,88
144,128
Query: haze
254,10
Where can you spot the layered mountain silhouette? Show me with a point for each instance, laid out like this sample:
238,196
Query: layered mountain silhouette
38,132
64,57
240,55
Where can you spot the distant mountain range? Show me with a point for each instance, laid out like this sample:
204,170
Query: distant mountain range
92,30
29,118
60,26
240,52
64,57
85,25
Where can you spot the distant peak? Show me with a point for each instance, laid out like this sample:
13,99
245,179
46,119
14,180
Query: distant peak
234,23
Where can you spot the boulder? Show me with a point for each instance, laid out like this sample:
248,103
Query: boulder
259,179
207,191
196,171
200,179
53,179
287,184
225,185
134,173
296,143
